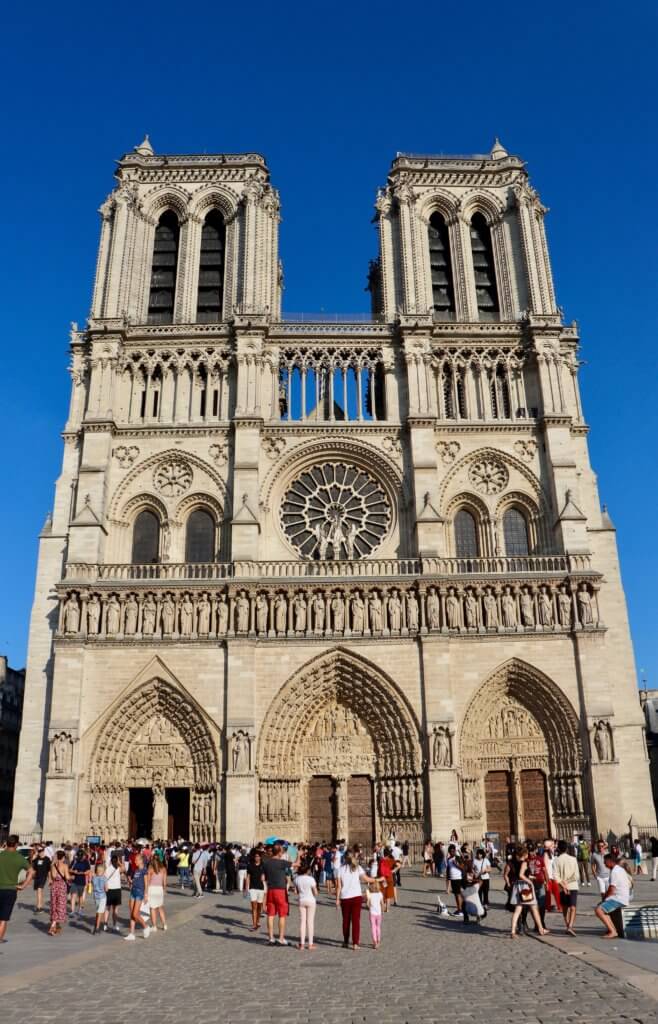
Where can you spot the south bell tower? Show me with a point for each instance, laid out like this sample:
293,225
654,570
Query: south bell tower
331,577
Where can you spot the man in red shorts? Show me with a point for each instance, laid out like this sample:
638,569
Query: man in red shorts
276,875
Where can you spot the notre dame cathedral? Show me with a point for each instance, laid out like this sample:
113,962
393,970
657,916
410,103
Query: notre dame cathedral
327,576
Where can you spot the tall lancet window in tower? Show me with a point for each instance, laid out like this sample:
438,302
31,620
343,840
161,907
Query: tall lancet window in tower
443,292
146,538
484,268
211,269
163,270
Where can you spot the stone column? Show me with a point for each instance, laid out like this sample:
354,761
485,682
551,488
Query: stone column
342,817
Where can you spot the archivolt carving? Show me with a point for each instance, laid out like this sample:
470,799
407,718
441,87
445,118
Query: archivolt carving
198,500
443,202
496,455
339,714
213,198
169,198
139,502
481,201
116,509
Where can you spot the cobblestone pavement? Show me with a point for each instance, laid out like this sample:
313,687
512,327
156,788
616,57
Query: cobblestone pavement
210,966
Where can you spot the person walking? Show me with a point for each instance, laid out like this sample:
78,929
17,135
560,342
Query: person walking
428,859
599,868
60,876
81,876
12,864
198,862
349,898
156,886
637,857
137,897
256,887
113,874
481,871
455,879
523,893
307,891
552,887
276,875
583,854
387,875
617,895
375,900
41,866
99,889
566,875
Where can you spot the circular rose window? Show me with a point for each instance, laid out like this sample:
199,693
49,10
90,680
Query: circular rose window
335,511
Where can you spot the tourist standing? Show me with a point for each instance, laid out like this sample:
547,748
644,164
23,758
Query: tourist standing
113,875
156,885
566,876
41,866
198,862
439,859
60,876
12,863
183,864
552,887
256,887
307,891
375,900
243,864
481,871
653,843
81,876
599,867
523,893
137,897
276,874
637,857
617,895
428,859
99,889
386,873
583,853
455,879
349,898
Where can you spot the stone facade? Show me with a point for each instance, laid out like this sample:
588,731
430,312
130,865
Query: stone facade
12,687
327,576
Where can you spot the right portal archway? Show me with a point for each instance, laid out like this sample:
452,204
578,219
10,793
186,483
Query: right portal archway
521,758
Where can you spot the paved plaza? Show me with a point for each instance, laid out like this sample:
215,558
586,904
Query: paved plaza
210,965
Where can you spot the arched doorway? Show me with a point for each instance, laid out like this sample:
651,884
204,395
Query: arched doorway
339,756
154,768
521,758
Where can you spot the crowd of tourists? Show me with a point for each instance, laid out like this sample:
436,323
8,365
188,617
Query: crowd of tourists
538,879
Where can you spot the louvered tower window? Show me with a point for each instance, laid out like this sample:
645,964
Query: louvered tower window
200,537
515,531
466,535
443,293
146,538
163,271
484,269
211,269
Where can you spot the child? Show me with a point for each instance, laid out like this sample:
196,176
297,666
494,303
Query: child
307,890
375,900
99,887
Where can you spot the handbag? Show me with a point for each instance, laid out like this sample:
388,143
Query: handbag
526,892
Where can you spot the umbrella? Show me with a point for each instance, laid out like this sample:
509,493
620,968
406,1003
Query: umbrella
270,840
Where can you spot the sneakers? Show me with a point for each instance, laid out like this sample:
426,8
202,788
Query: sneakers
164,927
147,932
271,942
104,927
117,929
130,937
282,942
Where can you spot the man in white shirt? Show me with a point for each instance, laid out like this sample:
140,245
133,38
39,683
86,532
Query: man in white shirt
481,871
618,895
567,876
198,862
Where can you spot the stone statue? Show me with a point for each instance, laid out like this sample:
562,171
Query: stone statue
412,612
61,751
242,613
545,607
222,616
603,741
166,542
527,608
240,752
113,615
508,606
261,614
322,536
168,615
318,613
585,606
281,613
564,607
186,616
471,610
149,613
338,613
358,609
93,614
394,612
433,609
299,606
72,615
336,538
442,752
203,611
131,611
490,606
452,609
350,538
375,612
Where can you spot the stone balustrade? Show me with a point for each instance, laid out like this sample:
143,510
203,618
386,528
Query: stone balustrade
519,605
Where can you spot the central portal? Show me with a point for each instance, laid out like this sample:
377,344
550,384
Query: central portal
322,808
178,813
140,822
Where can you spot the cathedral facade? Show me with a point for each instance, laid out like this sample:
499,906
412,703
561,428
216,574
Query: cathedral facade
327,577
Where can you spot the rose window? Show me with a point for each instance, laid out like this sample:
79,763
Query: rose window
488,476
335,511
173,477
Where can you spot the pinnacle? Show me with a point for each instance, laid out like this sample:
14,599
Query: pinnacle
498,151
145,148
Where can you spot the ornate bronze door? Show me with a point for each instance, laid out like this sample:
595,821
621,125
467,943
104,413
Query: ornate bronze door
498,799
321,809
535,807
360,815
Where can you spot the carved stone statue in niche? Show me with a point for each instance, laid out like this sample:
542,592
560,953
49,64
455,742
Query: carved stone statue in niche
394,612
508,606
242,609
261,614
149,613
168,615
186,616
452,609
113,615
375,612
564,607
338,613
62,751
472,802
603,741
130,623
299,605
545,607
412,612
471,610
72,615
280,613
585,606
93,614
442,750
490,606
527,608
358,610
433,609
222,616
318,613
203,611
240,752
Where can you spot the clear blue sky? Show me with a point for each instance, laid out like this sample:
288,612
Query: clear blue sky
329,93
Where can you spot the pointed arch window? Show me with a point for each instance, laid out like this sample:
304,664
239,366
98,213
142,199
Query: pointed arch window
484,269
162,294
211,269
146,538
515,531
443,292
200,537
466,535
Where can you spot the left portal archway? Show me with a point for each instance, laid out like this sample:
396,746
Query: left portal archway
158,740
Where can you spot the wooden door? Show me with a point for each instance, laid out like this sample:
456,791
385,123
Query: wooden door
360,816
498,799
321,809
535,805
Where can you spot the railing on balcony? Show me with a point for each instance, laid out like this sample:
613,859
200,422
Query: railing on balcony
372,568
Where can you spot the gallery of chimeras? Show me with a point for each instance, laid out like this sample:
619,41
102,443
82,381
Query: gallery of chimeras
325,576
